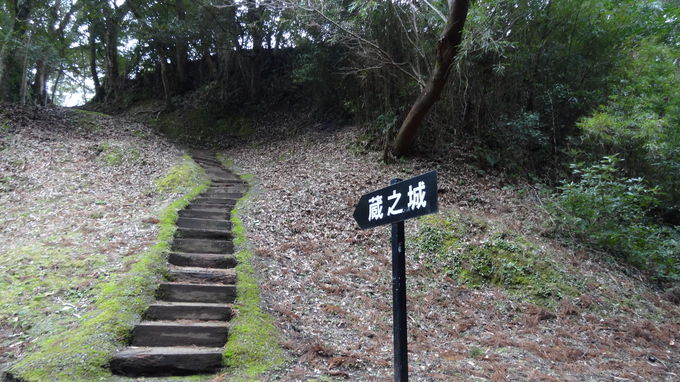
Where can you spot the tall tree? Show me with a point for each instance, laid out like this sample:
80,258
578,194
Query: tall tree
447,48
11,59
181,46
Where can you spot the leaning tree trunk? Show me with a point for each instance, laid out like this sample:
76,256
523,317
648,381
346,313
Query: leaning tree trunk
447,49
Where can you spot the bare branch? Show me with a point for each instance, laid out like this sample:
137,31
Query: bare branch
375,47
437,11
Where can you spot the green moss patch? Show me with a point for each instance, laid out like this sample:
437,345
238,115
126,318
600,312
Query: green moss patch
115,155
82,352
253,345
479,255
91,114
42,286
89,121
181,178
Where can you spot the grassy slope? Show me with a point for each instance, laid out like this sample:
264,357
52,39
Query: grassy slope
81,353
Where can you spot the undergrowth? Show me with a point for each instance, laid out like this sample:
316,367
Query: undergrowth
605,209
479,255
203,124
253,346
82,352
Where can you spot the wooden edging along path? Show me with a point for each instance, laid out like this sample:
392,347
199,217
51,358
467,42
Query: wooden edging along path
185,330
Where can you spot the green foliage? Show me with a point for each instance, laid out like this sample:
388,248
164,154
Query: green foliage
253,346
82,352
641,120
611,211
479,255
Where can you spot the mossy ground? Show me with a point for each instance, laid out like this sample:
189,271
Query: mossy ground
477,254
115,155
180,178
89,121
253,345
79,349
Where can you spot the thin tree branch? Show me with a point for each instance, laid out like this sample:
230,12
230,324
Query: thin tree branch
437,11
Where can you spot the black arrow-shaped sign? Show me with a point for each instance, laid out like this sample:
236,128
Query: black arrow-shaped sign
404,200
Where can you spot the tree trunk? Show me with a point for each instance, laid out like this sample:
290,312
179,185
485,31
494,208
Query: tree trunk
55,86
164,75
98,91
447,49
39,83
111,58
181,48
3,53
24,72
12,66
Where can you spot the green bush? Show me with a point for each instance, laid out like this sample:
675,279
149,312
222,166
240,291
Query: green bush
610,211
641,119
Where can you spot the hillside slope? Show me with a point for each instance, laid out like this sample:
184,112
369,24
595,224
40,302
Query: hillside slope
492,297
78,201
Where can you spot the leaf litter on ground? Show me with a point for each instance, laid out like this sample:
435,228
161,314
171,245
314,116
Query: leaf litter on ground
329,284
77,198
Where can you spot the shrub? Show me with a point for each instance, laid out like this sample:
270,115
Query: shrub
641,119
611,212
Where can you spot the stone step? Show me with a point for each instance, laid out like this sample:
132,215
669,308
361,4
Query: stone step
202,246
219,175
180,333
184,292
226,188
203,233
223,193
210,207
229,200
228,183
215,224
166,361
170,311
203,260
234,194
203,275
222,179
220,214
207,160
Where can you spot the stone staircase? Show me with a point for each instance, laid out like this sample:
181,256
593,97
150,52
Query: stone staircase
185,330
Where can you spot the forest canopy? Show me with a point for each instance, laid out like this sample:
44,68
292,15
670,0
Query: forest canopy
535,84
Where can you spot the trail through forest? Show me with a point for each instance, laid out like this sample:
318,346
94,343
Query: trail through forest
77,202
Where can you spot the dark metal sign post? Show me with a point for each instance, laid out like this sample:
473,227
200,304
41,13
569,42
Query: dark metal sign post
392,205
